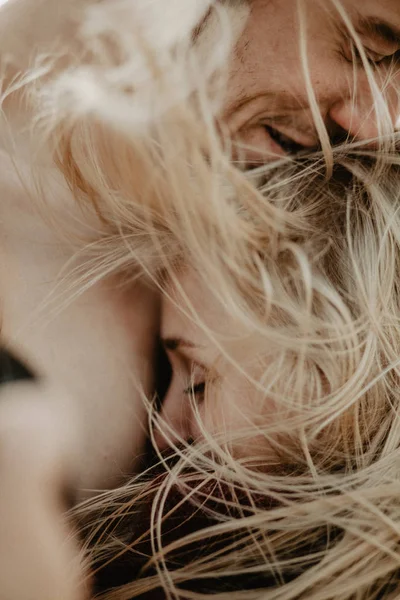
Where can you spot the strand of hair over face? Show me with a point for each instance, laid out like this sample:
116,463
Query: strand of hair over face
308,268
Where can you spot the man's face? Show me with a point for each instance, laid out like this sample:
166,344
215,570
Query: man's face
268,106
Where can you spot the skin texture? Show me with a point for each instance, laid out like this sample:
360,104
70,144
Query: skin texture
231,402
267,88
82,426
102,339
98,348
267,85
39,454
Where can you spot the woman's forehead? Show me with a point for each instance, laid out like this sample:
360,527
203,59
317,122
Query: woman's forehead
195,312
187,297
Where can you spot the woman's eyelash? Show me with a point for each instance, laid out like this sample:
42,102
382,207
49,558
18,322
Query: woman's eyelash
197,389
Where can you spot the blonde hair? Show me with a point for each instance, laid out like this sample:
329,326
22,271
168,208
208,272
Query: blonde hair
308,267
311,276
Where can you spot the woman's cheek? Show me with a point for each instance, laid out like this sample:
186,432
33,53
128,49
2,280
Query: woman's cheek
226,407
235,413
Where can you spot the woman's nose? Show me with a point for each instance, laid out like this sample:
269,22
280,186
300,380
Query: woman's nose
175,422
365,119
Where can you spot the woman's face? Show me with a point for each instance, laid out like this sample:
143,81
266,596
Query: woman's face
231,403
97,346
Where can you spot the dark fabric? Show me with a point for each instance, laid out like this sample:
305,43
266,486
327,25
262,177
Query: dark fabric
195,515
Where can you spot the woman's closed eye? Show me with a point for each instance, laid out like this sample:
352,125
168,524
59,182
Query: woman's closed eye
197,390
182,407
187,372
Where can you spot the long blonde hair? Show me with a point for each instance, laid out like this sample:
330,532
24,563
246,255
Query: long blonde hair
309,267
309,270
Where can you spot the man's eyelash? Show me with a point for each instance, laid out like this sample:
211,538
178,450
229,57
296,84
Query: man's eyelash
373,58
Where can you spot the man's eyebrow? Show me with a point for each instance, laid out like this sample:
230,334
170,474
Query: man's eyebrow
288,104
175,343
386,32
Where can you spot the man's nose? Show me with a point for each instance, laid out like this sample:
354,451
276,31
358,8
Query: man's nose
365,119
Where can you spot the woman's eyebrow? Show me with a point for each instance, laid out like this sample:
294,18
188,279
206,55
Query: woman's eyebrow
382,30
